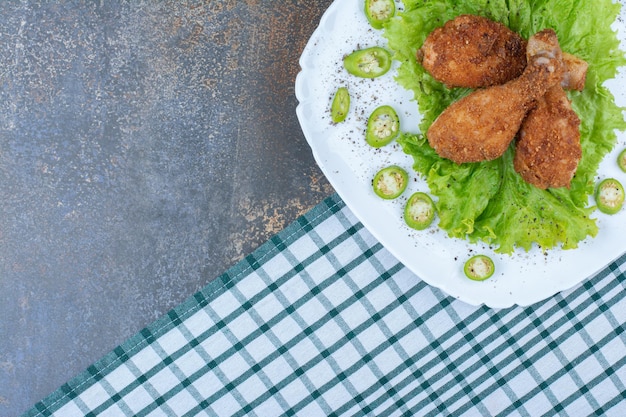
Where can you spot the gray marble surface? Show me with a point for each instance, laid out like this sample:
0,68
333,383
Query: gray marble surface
144,148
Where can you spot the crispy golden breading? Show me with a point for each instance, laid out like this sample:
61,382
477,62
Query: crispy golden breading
473,51
548,148
574,72
480,126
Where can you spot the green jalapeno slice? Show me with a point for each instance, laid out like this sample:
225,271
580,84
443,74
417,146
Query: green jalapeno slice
390,182
368,63
419,211
479,268
609,196
340,105
379,11
621,160
383,126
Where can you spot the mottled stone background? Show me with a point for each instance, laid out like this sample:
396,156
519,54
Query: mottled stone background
144,148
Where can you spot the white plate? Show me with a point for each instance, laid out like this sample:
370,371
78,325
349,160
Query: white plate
521,278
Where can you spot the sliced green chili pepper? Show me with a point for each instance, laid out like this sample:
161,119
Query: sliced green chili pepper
379,11
369,62
621,160
419,211
340,105
383,126
390,182
479,268
610,196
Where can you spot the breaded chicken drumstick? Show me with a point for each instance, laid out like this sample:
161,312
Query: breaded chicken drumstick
473,51
481,126
548,147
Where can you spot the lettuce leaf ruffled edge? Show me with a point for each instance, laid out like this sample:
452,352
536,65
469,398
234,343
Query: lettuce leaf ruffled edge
489,201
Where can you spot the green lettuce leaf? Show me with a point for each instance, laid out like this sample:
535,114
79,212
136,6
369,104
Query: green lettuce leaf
489,201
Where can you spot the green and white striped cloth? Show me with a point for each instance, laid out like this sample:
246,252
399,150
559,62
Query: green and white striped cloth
323,321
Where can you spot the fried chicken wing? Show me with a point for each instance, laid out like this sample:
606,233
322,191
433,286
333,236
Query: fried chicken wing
548,148
481,126
473,51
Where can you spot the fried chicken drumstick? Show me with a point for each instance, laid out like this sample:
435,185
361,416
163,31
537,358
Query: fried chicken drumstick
548,147
481,126
473,51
